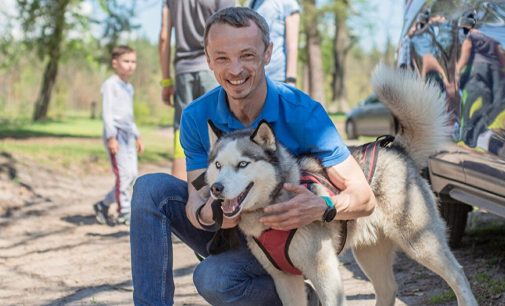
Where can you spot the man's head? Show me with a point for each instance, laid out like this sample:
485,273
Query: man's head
124,61
467,22
238,17
238,48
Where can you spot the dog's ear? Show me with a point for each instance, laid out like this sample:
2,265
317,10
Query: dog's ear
214,133
264,136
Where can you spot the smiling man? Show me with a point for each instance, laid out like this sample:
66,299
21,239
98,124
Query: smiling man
238,49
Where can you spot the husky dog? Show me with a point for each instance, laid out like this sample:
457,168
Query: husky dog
247,168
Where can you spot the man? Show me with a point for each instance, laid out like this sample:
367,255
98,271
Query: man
237,49
283,19
192,78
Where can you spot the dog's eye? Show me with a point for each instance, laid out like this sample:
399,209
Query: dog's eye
218,165
243,164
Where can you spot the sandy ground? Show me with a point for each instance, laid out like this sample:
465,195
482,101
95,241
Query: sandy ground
52,252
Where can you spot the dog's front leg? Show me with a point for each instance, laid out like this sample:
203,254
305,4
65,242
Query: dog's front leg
290,288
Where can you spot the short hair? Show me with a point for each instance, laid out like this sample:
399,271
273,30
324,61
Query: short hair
120,50
238,17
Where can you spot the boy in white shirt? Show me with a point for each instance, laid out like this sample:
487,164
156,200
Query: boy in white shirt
120,135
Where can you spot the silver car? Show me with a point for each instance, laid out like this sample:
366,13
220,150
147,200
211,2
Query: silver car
369,118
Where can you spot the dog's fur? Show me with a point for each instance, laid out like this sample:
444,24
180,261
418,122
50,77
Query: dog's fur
253,164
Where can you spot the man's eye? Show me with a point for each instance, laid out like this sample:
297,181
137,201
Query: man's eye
218,165
243,164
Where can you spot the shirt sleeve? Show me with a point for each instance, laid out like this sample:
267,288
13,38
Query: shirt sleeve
321,138
192,143
108,120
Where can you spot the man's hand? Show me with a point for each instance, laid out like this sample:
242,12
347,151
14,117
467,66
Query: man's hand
166,93
206,216
302,209
112,145
140,145
230,222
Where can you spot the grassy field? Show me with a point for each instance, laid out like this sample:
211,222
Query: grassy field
74,141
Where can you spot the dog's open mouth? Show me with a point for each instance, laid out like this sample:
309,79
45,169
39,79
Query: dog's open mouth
232,206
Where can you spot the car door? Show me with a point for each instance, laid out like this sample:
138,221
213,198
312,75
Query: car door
485,171
375,120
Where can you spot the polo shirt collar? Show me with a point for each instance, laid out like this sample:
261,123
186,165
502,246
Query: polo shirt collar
270,111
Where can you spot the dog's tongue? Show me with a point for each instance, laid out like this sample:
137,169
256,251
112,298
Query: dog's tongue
229,206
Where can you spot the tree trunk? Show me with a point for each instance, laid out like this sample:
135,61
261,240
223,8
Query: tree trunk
314,54
341,45
51,70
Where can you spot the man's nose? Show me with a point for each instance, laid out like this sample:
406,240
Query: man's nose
236,67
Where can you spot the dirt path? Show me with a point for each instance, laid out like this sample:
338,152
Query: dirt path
53,253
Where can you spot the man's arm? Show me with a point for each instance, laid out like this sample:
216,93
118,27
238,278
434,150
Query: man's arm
292,27
356,199
197,198
164,49
466,51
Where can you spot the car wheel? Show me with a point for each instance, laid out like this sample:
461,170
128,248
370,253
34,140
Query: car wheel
455,215
350,130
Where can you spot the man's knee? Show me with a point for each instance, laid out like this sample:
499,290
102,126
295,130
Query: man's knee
154,188
212,284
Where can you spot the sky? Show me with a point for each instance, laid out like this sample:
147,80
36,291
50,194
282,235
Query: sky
383,18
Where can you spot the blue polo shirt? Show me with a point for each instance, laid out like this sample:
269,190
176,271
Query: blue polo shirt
300,124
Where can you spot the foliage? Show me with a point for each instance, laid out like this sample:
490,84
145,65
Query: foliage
84,63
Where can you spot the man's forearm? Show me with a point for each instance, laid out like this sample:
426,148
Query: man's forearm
164,47
356,198
292,26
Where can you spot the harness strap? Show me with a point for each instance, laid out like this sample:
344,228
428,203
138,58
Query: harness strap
275,245
370,153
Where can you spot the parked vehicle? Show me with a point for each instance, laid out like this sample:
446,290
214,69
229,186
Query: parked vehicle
369,118
459,45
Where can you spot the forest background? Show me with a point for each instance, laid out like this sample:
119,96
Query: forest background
55,67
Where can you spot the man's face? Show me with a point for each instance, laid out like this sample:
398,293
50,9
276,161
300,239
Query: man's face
237,56
125,65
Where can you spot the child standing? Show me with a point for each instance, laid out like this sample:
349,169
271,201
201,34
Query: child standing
120,134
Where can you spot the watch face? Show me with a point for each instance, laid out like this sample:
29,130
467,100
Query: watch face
330,214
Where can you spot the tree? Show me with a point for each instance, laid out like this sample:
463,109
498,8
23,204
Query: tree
47,25
313,50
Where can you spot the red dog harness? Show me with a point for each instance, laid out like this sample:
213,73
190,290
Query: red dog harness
275,243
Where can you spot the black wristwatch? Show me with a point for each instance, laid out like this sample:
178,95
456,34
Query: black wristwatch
331,211
290,80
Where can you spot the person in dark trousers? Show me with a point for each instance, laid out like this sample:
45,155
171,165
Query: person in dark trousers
192,75
481,77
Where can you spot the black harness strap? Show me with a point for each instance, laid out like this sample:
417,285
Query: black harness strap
199,182
370,153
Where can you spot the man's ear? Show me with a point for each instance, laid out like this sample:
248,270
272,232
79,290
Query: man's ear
209,63
264,136
268,53
214,133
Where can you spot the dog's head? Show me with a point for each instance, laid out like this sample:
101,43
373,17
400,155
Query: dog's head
243,168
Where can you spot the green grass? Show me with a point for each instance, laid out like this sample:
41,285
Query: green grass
444,297
73,141
76,140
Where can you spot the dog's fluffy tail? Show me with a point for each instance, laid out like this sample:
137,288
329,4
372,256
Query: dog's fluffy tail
420,109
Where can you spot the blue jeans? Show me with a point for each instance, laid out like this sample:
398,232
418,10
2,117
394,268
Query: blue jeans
234,277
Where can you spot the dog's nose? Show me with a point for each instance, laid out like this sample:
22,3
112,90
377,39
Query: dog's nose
217,189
